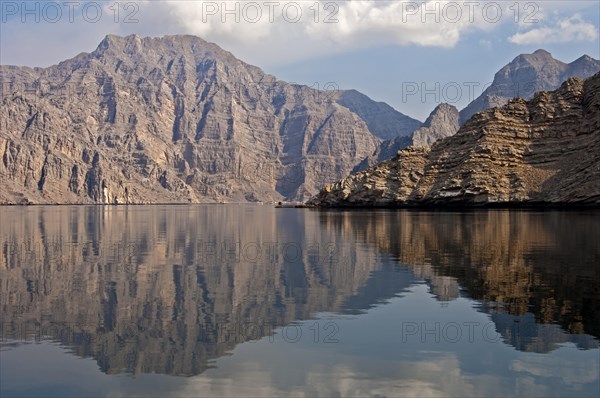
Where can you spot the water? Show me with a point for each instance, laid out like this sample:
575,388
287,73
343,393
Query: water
243,300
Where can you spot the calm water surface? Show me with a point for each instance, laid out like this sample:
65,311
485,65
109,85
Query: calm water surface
243,300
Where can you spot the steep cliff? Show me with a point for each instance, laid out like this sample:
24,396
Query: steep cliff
176,119
543,151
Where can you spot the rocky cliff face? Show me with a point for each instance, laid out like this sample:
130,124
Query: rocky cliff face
526,75
176,119
543,151
441,123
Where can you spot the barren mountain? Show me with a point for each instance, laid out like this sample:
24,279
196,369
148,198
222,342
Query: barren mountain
543,151
176,119
441,123
526,75
523,77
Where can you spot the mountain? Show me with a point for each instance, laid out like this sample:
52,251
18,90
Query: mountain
441,123
176,119
544,151
383,120
523,77
526,75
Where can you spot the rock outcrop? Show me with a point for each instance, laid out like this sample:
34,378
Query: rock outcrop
544,151
442,123
526,75
176,119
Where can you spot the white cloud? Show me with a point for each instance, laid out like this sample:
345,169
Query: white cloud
293,30
571,370
573,29
277,36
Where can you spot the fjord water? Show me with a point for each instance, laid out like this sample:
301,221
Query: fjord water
248,300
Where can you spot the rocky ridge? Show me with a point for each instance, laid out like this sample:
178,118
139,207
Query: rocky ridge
543,151
523,77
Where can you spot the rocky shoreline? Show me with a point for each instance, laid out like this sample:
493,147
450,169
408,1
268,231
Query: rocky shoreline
539,153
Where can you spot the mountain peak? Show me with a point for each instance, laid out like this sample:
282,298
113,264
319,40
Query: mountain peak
537,58
527,74
111,40
201,121
137,41
541,51
441,123
585,59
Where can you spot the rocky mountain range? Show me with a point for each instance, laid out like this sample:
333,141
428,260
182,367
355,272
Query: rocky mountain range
177,119
523,77
542,151
526,75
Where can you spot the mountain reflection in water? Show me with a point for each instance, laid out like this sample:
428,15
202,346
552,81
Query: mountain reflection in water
169,289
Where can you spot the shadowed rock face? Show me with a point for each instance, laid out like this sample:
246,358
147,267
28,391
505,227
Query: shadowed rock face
544,151
526,75
385,122
176,119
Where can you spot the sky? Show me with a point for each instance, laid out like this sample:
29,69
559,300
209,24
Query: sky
410,54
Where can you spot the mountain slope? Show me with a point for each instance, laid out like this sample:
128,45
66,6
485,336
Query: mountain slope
545,151
441,123
526,75
173,119
383,120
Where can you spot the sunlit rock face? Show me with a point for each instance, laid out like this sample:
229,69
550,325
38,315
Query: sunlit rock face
538,152
177,119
